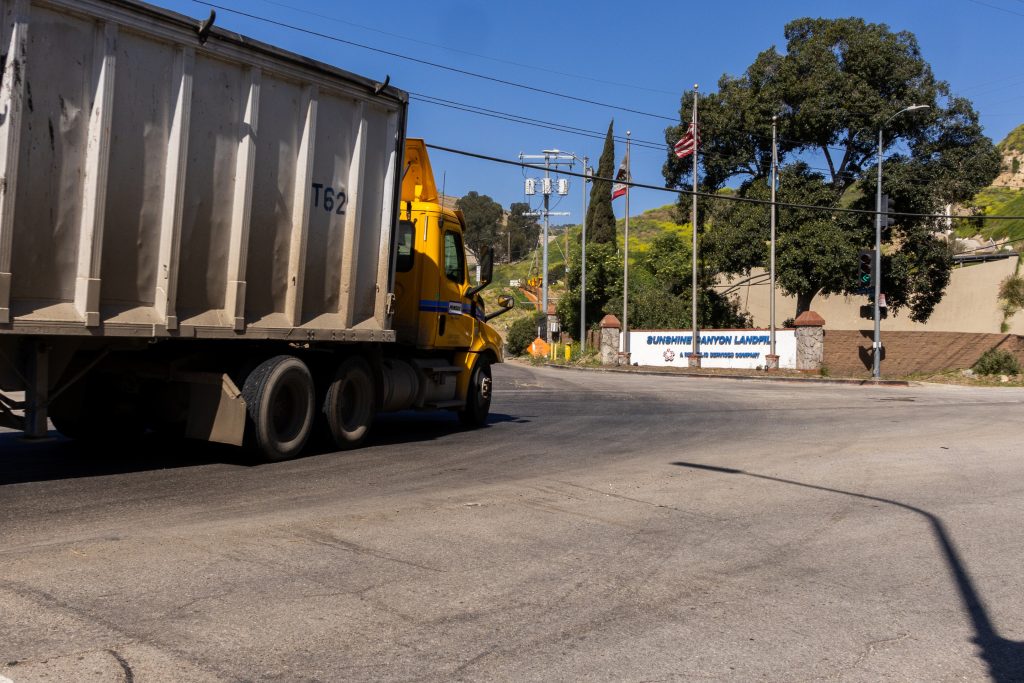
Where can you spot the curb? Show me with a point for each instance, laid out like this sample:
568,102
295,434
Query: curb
758,378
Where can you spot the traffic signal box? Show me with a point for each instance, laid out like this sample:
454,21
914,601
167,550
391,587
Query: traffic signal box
888,208
865,268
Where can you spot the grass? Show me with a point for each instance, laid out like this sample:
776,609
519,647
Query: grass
957,377
995,201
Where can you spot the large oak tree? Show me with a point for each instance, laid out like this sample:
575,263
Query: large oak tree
837,83
483,222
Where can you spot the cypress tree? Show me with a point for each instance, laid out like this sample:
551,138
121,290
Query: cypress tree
600,217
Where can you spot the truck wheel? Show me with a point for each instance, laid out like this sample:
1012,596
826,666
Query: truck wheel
349,404
478,396
279,399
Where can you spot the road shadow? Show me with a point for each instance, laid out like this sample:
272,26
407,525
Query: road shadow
1005,658
56,458
411,426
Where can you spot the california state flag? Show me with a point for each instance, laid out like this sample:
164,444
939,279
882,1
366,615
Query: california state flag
621,178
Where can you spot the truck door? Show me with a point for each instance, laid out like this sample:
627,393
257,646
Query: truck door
455,313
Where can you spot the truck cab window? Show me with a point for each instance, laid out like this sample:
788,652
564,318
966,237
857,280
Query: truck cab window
406,234
454,265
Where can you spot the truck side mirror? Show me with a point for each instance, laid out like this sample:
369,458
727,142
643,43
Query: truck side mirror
506,302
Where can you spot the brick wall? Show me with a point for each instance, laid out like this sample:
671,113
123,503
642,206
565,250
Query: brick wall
847,352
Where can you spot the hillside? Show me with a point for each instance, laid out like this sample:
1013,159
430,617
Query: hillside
1004,197
1014,141
643,229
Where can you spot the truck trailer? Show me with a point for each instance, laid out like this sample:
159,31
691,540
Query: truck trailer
212,238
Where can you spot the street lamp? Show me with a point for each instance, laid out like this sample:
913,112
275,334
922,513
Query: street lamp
877,345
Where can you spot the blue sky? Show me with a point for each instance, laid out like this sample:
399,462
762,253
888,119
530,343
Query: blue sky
639,55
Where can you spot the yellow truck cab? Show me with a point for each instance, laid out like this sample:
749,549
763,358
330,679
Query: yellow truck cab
438,312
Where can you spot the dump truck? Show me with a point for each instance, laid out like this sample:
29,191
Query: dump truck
209,237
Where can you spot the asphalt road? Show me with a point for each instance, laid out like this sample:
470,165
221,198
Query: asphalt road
602,527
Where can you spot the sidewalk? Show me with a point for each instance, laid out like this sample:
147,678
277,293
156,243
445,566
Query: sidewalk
790,376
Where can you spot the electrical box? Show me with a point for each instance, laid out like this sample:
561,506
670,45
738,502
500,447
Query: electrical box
531,186
563,186
546,185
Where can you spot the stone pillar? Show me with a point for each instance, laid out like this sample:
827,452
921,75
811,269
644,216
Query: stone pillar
611,330
810,341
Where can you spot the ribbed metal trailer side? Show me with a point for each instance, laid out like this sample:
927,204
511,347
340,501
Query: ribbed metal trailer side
156,182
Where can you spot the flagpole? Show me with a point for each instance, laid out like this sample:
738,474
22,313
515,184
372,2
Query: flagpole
694,358
772,361
625,263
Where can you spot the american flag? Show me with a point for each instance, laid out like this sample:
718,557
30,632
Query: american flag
688,144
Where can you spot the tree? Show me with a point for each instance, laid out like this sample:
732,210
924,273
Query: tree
604,277
483,221
600,217
523,231
839,81
659,289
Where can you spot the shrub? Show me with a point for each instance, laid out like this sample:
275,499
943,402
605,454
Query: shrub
1011,291
522,332
997,362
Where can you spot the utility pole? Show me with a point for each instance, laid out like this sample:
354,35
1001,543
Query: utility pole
546,188
553,158
625,262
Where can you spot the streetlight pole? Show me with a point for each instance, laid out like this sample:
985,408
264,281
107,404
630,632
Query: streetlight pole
876,347
773,359
583,263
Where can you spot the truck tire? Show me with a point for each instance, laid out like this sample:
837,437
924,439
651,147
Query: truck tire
349,403
478,396
280,401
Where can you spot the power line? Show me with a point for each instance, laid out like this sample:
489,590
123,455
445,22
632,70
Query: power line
508,117
449,48
708,195
518,118
1001,9
473,74
453,69
584,132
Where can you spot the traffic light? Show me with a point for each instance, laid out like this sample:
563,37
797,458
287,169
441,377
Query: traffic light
865,268
887,209
867,311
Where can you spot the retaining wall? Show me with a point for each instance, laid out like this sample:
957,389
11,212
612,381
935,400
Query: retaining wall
847,352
